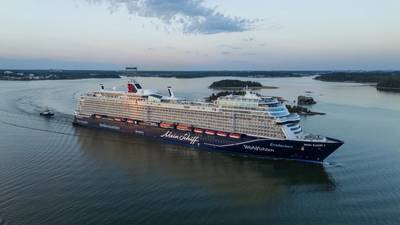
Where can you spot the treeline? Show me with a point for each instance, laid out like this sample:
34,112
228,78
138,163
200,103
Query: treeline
390,83
56,74
78,74
234,84
384,80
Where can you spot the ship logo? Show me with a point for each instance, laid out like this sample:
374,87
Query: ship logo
184,137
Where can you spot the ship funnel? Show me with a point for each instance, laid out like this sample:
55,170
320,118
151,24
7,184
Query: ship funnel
131,88
134,87
171,92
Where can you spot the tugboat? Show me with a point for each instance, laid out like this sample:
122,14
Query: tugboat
47,113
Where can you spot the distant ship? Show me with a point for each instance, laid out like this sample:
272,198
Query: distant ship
251,124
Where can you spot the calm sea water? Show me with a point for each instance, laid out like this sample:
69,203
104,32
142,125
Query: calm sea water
53,173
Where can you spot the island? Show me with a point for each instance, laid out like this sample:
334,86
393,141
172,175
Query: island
382,80
237,85
305,100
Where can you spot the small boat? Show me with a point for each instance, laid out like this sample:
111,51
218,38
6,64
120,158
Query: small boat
221,134
233,135
198,130
210,132
47,113
129,121
167,125
184,127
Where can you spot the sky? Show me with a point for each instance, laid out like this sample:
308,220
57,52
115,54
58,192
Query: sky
200,34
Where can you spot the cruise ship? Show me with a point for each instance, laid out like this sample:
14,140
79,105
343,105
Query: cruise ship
252,124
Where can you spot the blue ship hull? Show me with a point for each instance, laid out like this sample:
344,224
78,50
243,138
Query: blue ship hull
311,151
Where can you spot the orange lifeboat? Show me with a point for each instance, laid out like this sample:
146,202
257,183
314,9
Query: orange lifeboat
98,117
221,134
233,135
117,119
210,132
129,121
167,125
184,127
198,130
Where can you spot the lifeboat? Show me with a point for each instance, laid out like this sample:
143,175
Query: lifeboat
117,119
233,135
210,132
167,125
221,134
184,127
198,130
98,117
129,121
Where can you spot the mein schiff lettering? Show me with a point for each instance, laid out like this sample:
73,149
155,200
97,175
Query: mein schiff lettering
184,137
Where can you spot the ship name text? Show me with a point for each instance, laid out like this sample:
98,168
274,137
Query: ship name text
184,137
258,148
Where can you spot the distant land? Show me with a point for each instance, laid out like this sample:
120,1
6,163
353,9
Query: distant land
84,74
26,75
200,74
237,84
383,80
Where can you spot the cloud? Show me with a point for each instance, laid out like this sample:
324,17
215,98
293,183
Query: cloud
190,15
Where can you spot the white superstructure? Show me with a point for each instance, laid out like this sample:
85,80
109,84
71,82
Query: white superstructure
250,114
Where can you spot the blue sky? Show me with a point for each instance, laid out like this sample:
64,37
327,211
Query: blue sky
200,35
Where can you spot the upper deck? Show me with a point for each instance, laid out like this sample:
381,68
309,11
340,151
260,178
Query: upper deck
238,104
250,114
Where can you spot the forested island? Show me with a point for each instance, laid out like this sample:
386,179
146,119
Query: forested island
384,80
236,84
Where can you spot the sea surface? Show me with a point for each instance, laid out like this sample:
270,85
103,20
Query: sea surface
54,173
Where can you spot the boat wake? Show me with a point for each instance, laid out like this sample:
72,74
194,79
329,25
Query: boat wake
332,164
